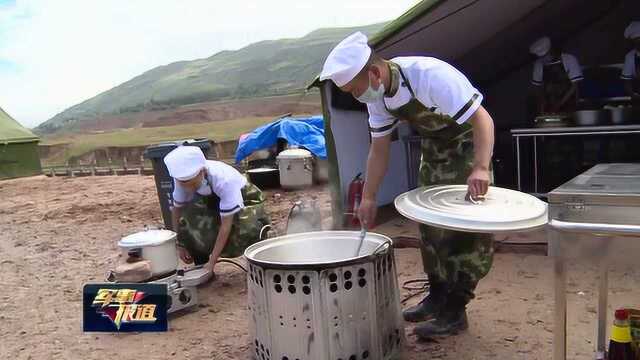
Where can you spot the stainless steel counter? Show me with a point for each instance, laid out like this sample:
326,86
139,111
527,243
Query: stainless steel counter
595,219
536,133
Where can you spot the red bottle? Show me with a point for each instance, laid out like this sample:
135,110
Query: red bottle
620,343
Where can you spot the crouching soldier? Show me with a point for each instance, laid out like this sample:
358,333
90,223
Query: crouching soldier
216,211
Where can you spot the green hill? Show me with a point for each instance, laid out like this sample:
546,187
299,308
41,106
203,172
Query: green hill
262,69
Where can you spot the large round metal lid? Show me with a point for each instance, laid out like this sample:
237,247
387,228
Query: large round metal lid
501,210
315,249
147,238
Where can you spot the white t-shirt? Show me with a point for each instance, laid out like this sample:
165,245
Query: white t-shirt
437,85
570,63
630,70
225,181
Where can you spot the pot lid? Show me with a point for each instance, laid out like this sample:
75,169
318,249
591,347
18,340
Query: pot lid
147,238
294,154
502,210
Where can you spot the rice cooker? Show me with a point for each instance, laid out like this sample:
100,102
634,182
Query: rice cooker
156,246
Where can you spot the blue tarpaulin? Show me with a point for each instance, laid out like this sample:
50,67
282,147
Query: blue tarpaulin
303,132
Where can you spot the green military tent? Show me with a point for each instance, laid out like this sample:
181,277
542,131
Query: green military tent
18,149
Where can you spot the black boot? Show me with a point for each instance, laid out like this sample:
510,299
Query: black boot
446,324
429,307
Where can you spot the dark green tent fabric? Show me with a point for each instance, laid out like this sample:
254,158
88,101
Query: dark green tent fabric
11,131
18,149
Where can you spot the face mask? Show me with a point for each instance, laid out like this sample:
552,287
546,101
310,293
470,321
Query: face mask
371,96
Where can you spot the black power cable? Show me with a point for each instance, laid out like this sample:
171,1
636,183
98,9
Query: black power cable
233,262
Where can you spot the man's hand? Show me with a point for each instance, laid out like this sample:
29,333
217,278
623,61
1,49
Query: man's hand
478,182
367,212
377,163
184,255
483,139
226,222
210,265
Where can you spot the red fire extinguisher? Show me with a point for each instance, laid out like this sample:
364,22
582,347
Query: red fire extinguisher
354,196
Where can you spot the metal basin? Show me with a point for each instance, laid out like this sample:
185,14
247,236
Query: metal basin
264,178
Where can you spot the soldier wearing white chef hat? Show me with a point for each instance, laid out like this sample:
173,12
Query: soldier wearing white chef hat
442,105
215,211
631,70
555,76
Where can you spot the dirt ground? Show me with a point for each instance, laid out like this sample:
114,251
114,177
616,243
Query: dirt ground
58,233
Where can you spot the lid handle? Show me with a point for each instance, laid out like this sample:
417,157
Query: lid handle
475,200
382,248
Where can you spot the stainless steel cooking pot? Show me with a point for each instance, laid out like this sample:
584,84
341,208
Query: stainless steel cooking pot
311,298
157,246
621,115
592,117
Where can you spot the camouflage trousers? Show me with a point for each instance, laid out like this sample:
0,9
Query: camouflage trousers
200,223
454,261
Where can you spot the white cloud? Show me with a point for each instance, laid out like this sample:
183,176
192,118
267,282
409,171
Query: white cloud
63,52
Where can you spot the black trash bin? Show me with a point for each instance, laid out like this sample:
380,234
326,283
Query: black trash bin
164,182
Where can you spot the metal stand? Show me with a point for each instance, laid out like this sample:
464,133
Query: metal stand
560,314
560,326
556,233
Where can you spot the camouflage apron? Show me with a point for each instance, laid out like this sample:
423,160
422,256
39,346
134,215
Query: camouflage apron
636,87
455,261
200,223
559,154
556,84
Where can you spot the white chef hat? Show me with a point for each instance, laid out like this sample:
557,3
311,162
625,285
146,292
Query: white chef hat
541,47
347,59
633,30
185,162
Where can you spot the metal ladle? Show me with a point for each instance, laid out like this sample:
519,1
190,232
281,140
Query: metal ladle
363,234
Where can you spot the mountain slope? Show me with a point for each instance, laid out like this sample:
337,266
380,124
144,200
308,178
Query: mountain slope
261,69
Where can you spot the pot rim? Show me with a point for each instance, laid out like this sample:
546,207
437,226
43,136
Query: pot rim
320,265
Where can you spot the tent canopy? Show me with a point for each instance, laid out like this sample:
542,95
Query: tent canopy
489,39
12,132
305,132
18,149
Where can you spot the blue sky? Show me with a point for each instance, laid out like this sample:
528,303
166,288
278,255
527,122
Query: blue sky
7,3
8,66
57,53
